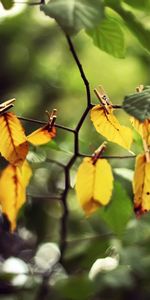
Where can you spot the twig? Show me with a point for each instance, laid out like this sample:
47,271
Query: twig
109,156
75,56
43,291
82,118
64,219
44,123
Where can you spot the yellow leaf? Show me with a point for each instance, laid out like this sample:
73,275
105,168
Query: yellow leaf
107,125
143,128
13,183
94,184
141,184
42,135
13,142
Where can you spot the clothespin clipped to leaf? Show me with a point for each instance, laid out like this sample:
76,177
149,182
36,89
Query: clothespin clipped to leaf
102,96
44,134
51,118
98,152
91,174
7,105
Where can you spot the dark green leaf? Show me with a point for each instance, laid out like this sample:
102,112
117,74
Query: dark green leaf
138,104
7,3
74,15
118,212
109,37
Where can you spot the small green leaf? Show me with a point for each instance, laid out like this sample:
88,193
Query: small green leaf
138,104
7,4
109,37
74,15
118,212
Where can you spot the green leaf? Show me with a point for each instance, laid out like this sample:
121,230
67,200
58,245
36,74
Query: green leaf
109,37
118,212
74,15
138,104
139,4
138,29
7,4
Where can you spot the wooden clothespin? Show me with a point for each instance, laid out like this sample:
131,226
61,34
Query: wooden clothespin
51,118
98,152
7,105
102,96
147,151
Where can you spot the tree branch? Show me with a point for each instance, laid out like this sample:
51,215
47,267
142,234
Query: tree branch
86,83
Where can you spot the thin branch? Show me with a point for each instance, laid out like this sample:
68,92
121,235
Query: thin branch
64,218
44,123
79,125
109,156
116,106
86,83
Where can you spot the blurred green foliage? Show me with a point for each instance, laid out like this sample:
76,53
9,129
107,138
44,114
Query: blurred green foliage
38,70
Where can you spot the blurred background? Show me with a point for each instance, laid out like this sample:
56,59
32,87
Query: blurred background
38,70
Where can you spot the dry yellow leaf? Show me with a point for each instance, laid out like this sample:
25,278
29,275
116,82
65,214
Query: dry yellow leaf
13,142
143,128
94,184
13,183
141,184
107,125
42,135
